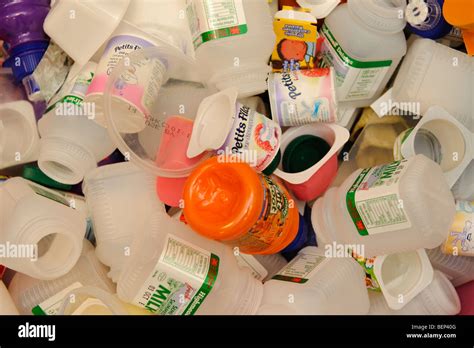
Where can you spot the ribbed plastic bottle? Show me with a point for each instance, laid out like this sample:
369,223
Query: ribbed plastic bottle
401,206
39,297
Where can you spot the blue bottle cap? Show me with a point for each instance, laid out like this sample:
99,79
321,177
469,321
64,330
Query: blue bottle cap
300,239
24,58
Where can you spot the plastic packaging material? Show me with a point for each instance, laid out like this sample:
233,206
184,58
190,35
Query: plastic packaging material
80,27
312,165
386,208
459,269
167,261
427,65
224,201
233,40
120,197
463,188
400,277
438,298
71,143
243,134
436,135
459,13
363,70
319,8
263,266
459,238
91,300
465,295
296,36
40,226
7,307
425,18
39,297
18,134
313,284
21,27
303,96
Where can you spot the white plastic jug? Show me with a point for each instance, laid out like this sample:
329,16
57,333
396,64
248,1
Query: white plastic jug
459,269
34,296
364,42
80,27
314,284
120,198
71,142
173,271
18,133
434,74
401,206
234,40
438,298
42,227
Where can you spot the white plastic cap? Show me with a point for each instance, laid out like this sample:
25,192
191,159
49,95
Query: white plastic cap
213,122
319,8
381,15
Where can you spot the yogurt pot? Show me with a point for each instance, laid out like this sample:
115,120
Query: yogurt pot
313,182
235,131
303,96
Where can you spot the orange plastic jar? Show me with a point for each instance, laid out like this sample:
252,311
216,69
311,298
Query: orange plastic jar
232,203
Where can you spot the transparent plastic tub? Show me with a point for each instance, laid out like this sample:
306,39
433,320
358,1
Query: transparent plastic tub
155,134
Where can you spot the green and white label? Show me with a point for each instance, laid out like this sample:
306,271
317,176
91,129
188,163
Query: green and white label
373,201
215,19
355,79
301,268
181,280
52,305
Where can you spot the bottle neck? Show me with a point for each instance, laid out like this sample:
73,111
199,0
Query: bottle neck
385,16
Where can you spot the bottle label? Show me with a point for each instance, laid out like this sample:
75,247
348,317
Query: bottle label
368,265
254,138
272,221
52,305
355,79
52,195
215,19
181,280
373,201
459,241
301,97
301,268
258,271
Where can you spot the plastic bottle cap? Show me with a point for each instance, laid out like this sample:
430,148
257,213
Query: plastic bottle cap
303,152
416,12
25,58
300,239
213,122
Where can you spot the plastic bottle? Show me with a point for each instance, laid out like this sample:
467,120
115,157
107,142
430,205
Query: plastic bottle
39,297
80,27
233,40
427,65
425,18
7,307
459,269
232,203
388,209
438,298
459,13
377,27
312,284
41,226
120,197
467,301
18,133
21,27
173,271
71,142
90,300
263,267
